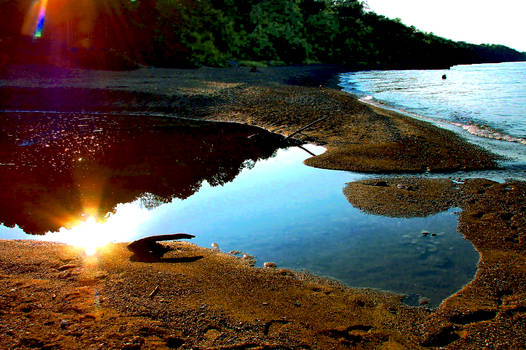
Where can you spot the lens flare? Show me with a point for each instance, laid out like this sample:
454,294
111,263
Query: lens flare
92,234
40,19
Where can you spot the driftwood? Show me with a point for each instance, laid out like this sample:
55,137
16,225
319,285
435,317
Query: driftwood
305,127
147,249
306,150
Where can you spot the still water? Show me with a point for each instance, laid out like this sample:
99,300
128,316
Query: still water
90,179
487,101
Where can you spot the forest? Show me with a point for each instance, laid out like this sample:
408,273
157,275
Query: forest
123,34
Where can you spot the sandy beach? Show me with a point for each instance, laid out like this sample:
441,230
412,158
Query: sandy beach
54,296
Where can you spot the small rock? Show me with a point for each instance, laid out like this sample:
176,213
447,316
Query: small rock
424,232
64,324
423,301
265,304
100,275
297,304
269,265
67,267
215,246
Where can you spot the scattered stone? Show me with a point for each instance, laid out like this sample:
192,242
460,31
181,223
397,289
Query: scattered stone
423,301
67,267
269,265
64,324
212,334
235,252
249,259
215,246
297,304
100,275
424,232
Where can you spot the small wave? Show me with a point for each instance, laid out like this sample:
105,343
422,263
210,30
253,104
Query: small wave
473,129
486,132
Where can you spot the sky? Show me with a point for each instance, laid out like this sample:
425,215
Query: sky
474,21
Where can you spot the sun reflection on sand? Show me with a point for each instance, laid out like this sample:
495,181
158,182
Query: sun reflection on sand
92,234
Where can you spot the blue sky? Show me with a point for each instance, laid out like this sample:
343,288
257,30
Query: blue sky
475,21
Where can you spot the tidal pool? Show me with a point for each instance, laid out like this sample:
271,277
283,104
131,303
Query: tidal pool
87,180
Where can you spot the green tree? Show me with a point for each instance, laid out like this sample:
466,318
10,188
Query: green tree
279,32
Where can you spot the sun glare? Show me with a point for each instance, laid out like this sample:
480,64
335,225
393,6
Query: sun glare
91,234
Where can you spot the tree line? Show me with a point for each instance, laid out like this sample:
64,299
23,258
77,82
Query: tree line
189,33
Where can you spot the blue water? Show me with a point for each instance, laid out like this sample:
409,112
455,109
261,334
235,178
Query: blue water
283,211
485,103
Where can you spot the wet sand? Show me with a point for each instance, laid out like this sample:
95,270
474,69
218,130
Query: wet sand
54,297
358,137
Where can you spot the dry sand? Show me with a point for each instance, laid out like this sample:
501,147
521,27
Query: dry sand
54,297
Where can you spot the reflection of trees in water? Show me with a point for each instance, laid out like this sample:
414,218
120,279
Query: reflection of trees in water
55,168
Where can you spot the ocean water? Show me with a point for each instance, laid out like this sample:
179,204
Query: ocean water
485,103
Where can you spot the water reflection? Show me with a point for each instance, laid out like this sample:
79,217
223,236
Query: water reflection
58,169
161,176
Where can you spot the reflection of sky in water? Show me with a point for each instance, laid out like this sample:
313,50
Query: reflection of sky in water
298,217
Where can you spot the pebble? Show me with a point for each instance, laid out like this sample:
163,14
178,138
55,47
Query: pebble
269,265
423,301
215,246
67,267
